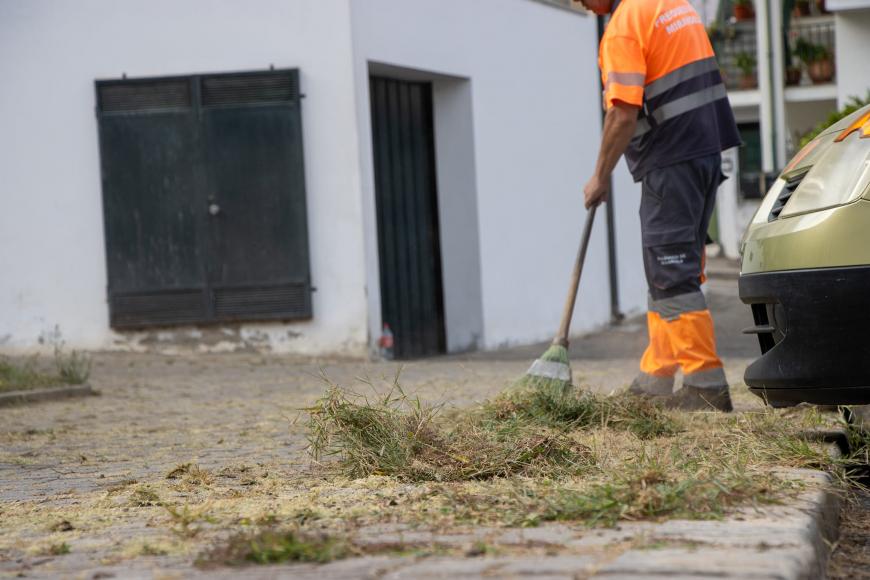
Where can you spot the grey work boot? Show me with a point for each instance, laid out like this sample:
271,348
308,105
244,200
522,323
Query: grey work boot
652,387
691,398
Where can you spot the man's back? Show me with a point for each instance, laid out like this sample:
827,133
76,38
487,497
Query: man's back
655,54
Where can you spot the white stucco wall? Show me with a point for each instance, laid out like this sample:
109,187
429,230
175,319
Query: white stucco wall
536,126
52,265
516,94
853,47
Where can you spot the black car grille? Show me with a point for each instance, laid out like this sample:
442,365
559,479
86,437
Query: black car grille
790,186
770,325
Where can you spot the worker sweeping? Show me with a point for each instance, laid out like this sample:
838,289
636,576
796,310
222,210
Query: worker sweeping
668,112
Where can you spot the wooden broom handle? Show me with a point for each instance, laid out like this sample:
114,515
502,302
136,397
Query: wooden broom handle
565,327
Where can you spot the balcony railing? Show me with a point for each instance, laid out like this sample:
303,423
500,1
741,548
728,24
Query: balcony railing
809,50
808,42
736,45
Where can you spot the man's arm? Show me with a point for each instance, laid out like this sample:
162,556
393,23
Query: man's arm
619,126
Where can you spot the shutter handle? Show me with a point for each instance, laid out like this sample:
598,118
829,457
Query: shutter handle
214,209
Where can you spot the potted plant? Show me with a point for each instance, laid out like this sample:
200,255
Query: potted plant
793,75
743,10
818,60
801,8
745,61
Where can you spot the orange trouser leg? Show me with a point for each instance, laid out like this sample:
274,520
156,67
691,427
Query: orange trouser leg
680,336
659,359
694,343
687,341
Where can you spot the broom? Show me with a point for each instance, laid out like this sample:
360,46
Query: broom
552,372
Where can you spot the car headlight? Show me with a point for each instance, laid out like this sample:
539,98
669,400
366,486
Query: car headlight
773,194
839,175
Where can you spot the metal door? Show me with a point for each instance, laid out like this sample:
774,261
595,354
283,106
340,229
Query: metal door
252,135
407,212
152,180
204,199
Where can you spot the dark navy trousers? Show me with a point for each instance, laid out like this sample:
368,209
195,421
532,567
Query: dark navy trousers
676,206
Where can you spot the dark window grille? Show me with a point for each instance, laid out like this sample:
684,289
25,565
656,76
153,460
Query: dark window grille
204,199
248,89
122,96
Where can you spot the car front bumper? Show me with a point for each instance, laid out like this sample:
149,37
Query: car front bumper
813,327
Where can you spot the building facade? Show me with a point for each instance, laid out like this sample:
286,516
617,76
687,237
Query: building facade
295,175
788,64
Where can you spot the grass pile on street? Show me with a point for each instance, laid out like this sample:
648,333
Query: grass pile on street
530,456
522,433
391,459
525,458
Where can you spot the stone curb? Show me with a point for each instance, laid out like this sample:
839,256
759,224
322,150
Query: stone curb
782,542
40,395
792,542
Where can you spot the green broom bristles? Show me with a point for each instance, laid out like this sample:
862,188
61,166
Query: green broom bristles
551,373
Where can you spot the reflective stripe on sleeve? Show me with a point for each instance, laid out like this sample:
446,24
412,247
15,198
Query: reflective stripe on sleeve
671,308
628,79
684,73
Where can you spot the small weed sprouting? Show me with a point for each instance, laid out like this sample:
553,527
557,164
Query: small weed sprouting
400,436
271,548
25,375
74,368
149,550
62,526
481,548
191,474
59,549
144,497
187,521
274,547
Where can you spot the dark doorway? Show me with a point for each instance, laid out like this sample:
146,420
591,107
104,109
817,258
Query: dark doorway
409,244
204,199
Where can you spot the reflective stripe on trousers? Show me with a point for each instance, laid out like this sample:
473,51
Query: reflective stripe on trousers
681,336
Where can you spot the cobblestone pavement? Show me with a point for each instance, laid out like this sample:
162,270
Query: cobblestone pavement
234,415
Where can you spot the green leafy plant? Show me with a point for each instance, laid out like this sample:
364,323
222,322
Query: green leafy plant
16,376
746,62
73,368
809,52
853,104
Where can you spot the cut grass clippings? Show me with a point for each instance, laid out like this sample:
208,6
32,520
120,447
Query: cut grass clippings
522,433
392,462
399,461
401,437
544,456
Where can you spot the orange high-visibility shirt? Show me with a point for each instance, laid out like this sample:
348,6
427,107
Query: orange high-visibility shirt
655,54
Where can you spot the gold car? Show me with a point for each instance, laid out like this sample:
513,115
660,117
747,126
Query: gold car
806,273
